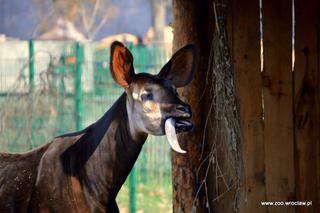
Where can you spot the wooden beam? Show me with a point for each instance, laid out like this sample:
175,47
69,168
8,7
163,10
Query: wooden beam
278,107
247,68
307,104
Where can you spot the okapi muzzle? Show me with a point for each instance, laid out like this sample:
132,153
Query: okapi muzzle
84,171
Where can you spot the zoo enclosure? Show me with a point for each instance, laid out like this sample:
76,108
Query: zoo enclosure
50,88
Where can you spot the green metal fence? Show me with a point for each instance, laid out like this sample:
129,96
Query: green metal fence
49,88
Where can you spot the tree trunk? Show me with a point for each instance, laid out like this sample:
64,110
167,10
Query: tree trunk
192,24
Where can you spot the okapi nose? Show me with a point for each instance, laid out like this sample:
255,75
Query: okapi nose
184,109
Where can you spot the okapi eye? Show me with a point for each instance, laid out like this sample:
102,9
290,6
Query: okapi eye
147,96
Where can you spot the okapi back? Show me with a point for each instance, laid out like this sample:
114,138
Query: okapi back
18,174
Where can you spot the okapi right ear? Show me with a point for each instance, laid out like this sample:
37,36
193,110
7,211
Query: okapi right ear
180,68
121,64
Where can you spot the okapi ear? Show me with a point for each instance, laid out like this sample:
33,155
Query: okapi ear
180,68
121,64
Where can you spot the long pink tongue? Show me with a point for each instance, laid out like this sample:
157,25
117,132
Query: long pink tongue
172,135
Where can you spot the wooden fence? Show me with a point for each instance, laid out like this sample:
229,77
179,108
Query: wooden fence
280,105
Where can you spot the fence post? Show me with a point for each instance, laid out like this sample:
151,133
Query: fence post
31,66
78,86
61,127
144,165
133,186
31,87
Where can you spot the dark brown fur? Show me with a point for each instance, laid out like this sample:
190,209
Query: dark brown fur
17,177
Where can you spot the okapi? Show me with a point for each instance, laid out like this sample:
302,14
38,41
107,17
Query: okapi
83,171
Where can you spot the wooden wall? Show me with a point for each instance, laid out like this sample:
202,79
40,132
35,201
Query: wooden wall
280,104
280,109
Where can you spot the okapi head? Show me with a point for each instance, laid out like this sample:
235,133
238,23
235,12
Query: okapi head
153,104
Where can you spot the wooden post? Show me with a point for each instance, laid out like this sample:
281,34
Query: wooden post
307,104
278,107
247,69
192,22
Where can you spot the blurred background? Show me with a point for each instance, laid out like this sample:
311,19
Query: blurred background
54,78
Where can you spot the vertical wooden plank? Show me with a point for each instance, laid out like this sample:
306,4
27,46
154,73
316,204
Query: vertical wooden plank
246,57
307,106
278,107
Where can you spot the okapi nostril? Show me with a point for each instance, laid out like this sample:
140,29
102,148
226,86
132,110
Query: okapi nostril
181,108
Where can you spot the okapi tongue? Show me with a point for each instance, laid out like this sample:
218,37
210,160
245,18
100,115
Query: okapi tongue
172,135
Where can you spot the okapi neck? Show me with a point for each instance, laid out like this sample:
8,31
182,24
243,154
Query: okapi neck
104,155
